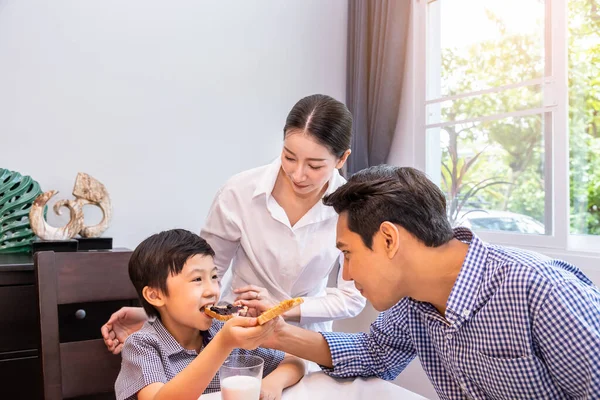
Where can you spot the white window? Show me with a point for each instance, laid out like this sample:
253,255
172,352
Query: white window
512,117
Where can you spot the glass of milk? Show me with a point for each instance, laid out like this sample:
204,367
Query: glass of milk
240,377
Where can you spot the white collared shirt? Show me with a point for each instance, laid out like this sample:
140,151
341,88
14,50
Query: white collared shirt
250,231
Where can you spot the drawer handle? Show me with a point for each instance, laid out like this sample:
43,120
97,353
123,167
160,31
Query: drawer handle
80,314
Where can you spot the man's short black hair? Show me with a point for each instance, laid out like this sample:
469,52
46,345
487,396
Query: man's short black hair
161,255
403,196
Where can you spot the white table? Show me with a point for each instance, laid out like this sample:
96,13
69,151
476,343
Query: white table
318,386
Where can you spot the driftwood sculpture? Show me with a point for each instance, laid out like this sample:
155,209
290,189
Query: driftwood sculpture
47,232
87,191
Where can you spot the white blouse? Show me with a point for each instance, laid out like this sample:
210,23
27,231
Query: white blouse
250,231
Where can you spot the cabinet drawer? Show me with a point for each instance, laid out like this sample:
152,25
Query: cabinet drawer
82,321
20,378
18,313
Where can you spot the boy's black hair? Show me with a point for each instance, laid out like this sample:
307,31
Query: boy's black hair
161,255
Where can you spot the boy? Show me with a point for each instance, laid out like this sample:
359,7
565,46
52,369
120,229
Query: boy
177,355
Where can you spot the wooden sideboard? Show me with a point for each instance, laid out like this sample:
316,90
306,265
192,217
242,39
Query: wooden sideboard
20,368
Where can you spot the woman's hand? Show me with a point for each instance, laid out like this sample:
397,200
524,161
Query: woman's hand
256,298
120,325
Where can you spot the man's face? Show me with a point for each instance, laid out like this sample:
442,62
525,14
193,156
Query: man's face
375,272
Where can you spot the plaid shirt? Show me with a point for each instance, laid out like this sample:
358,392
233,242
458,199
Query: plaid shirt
518,325
153,355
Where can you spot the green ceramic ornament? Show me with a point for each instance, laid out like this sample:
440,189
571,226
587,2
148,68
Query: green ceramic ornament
17,194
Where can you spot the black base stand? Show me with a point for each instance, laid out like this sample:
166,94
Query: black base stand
78,244
54,245
99,243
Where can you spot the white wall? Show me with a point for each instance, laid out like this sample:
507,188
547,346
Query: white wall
161,101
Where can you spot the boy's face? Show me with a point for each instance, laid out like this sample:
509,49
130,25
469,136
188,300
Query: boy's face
190,291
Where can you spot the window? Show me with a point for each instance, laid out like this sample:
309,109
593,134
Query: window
512,117
584,115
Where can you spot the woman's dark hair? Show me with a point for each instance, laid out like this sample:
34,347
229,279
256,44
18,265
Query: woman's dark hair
161,255
403,196
324,118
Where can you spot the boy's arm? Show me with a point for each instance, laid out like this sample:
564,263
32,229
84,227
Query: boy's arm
193,380
289,372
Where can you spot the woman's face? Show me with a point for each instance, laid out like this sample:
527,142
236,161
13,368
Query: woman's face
306,163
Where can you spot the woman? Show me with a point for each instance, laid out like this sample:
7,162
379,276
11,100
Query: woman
270,225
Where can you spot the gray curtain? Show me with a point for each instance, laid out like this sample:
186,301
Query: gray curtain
377,44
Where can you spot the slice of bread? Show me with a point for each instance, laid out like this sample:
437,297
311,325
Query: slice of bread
279,309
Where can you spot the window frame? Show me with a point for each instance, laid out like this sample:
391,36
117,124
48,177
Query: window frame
427,157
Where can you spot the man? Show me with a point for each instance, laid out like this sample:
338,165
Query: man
486,321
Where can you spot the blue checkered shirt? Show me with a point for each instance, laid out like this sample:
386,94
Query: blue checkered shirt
153,355
518,325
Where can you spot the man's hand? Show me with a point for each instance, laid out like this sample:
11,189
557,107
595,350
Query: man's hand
245,333
272,342
120,325
300,342
258,307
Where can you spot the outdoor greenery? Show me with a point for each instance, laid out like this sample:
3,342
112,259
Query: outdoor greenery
500,164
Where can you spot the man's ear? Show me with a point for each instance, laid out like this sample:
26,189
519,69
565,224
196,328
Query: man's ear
343,159
153,296
391,235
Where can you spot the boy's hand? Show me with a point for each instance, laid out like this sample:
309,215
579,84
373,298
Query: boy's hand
289,371
245,333
270,390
